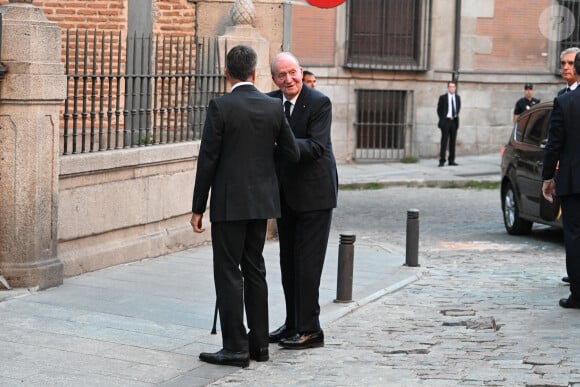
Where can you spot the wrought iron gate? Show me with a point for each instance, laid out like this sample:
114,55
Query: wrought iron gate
383,124
153,91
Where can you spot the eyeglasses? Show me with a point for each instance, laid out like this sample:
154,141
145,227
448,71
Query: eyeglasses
564,63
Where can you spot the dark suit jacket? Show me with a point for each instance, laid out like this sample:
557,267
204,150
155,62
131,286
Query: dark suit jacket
312,183
563,144
443,108
236,156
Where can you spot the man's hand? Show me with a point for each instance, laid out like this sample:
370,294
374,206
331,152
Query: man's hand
549,190
196,223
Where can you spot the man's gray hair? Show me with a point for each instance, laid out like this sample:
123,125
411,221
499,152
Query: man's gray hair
569,50
280,55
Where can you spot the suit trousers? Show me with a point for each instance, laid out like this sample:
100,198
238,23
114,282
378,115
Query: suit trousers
448,136
240,278
571,225
303,241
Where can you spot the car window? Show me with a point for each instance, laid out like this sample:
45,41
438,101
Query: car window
520,126
537,127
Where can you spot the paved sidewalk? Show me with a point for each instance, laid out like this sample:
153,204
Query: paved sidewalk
144,323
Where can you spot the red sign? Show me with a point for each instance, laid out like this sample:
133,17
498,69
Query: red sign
326,3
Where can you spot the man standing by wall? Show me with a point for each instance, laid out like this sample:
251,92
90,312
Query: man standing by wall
526,102
448,108
562,148
308,195
236,160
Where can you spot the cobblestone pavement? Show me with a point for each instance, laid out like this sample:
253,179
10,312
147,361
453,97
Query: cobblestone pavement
485,312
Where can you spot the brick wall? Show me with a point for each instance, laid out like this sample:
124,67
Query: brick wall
515,36
170,16
313,35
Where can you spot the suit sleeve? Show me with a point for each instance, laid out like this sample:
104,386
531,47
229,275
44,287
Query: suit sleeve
556,140
286,143
440,107
318,131
209,155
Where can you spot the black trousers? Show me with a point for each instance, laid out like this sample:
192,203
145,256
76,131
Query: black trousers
240,278
571,223
448,136
303,241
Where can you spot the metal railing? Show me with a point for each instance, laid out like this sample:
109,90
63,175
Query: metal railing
155,90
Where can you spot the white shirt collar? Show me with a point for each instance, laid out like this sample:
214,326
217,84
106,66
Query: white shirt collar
241,84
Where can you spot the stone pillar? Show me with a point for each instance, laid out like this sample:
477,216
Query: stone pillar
243,14
30,98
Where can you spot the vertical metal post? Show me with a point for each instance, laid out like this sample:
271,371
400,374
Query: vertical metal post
345,268
412,252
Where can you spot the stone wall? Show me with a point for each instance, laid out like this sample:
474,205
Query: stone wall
125,205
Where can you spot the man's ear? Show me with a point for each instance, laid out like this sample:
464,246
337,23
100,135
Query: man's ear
254,76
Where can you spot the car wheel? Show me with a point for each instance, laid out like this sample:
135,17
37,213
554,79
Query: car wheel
511,213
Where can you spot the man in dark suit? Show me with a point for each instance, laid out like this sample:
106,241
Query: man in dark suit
569,75
448,108
308,195
567,69
563,144
236,160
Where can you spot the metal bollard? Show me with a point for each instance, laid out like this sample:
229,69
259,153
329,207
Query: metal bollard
412,253
345,268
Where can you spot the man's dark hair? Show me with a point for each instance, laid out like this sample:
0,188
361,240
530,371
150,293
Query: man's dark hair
306,72
577,63
241,62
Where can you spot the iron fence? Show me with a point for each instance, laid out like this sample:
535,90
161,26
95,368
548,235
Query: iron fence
152,90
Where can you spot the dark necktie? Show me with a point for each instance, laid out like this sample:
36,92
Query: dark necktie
567,89
287,106
453,111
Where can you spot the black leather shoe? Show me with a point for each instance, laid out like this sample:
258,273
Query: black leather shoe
453,164
566,279
260,354
280,333
570,303
225,357
303,341
441,164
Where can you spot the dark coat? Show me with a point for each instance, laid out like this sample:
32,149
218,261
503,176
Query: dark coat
443,108
312,183
236,156
564,144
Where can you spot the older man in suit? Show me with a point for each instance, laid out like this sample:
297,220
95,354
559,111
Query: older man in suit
563,144
448,108
308,195
236,160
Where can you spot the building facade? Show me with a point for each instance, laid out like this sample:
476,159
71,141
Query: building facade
384,63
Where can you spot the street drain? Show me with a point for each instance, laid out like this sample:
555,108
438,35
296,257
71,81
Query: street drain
480,323
458,312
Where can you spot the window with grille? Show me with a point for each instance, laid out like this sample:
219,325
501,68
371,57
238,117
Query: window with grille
381,125
568,25
388,34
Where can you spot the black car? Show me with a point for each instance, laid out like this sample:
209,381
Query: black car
522,202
